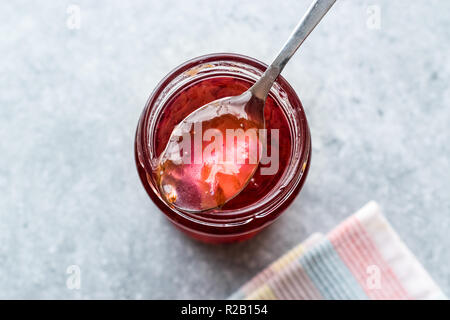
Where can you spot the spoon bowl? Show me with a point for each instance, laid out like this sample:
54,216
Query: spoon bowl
212,154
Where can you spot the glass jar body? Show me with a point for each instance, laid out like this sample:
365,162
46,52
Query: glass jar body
243,217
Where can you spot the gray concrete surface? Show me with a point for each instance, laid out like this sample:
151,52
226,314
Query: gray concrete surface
377,101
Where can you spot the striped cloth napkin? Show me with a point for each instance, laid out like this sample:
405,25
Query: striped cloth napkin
362,258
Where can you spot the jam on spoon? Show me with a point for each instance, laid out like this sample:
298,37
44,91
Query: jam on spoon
213,153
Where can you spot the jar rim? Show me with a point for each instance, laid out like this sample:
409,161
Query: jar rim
233,216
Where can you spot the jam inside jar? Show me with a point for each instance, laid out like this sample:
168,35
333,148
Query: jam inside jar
196,83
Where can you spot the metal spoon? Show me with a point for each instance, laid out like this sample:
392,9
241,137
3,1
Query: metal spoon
208,183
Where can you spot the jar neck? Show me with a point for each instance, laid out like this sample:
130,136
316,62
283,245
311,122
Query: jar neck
244,68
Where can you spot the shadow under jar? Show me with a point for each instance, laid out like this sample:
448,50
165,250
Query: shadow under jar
196,83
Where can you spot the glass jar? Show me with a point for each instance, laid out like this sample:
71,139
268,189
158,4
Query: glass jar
238,221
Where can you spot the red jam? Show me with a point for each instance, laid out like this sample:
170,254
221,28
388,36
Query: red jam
192,98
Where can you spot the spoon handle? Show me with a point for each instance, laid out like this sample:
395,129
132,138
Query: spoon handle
307,24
